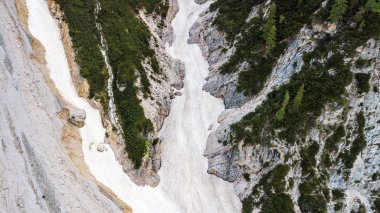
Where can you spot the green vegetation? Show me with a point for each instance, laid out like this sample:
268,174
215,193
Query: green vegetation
246,176
128,45
338,10
313,189
308,158
262,123
338,194
281,113
373,5
232,15
314,83
357,146
361,63
274,200
298,99
331,144
269,31
158,7
80,16
291,111
338,206
363,82
377,204
262,41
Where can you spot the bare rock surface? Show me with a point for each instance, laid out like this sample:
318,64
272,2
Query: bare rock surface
36,173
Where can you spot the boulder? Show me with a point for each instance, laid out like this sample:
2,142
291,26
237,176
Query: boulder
77,117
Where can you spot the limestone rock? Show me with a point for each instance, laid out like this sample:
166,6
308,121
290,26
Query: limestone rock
100,148
77,117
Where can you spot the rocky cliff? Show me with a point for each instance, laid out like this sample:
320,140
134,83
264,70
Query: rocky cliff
346,183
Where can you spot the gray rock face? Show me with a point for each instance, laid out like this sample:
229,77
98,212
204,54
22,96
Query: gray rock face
200,1
36,173
216,50
230,163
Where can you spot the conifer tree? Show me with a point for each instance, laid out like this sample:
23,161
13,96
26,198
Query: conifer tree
270,28
298,99
338,10
281,113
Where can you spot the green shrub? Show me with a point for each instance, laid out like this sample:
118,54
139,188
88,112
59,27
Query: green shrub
332,142
338,206
338,10
269,31
246,176
338,194
278,203
79,15
247,205
377,204
363,82
361,63
274,199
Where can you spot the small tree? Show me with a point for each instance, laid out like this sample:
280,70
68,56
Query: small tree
269,33
298,99
281,113
338,10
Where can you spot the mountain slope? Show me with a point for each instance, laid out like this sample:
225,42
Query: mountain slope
37,174
301,82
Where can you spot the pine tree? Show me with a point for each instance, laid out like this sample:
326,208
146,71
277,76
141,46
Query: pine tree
269,33
281,113
338,10
298,99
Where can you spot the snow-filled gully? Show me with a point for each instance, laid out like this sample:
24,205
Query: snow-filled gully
185,185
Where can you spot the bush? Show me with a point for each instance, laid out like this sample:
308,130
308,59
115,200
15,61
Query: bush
274,198
338,10
278,203
338,206
363,82
357,145
246,176
338,194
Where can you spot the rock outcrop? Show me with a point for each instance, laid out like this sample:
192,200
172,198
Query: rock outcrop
217,51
